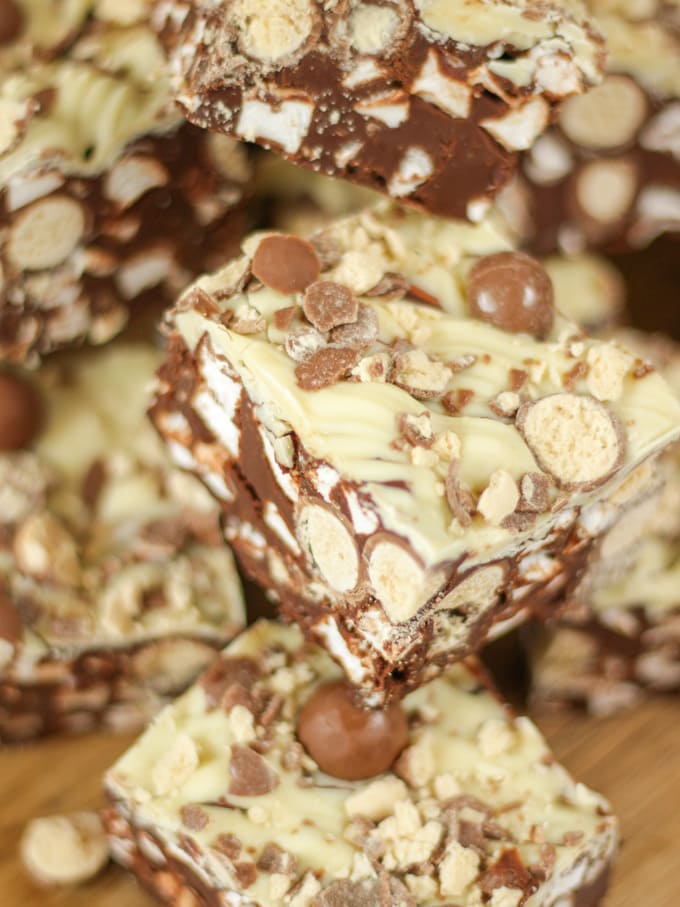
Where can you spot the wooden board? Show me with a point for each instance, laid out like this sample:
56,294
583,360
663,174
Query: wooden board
633,759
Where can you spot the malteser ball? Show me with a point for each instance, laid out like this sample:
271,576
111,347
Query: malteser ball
513,292
347,741
20,412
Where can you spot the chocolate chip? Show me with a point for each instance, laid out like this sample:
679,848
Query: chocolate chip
21,412
325,367
286,264
513,292
347,741
250,774
11,21
328,304
11,627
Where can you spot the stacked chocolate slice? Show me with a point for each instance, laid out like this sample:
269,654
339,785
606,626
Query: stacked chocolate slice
398,422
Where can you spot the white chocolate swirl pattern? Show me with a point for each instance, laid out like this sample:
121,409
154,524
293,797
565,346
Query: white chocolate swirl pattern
352,425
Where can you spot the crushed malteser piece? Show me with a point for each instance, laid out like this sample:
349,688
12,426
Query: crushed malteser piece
500,497
250,775
458,497
607,369
360,333
420,375
287,264
64,850
328,304
458,868
423,101
376,801
325,367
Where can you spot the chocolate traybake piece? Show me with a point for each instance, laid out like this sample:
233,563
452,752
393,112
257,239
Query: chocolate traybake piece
410,445
619,637
105,192
261,786
429,101
116,589
608,173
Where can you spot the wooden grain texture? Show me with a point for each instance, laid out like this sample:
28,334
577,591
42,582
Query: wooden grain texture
633,759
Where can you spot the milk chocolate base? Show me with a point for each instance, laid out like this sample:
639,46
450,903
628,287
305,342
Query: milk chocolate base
417,650
97,689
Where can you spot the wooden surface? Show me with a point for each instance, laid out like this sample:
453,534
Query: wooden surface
633,759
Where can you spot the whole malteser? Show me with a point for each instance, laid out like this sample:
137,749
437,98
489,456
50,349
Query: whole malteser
20,412
513,292
286,264
11,21
347,741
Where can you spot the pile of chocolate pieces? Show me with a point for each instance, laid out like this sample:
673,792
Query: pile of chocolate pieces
413,435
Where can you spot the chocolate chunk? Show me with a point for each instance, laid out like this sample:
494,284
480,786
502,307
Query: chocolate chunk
11,627
250,774
21,412
286,264
513,292
225,673
347,741
328,304
11,21
325,367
